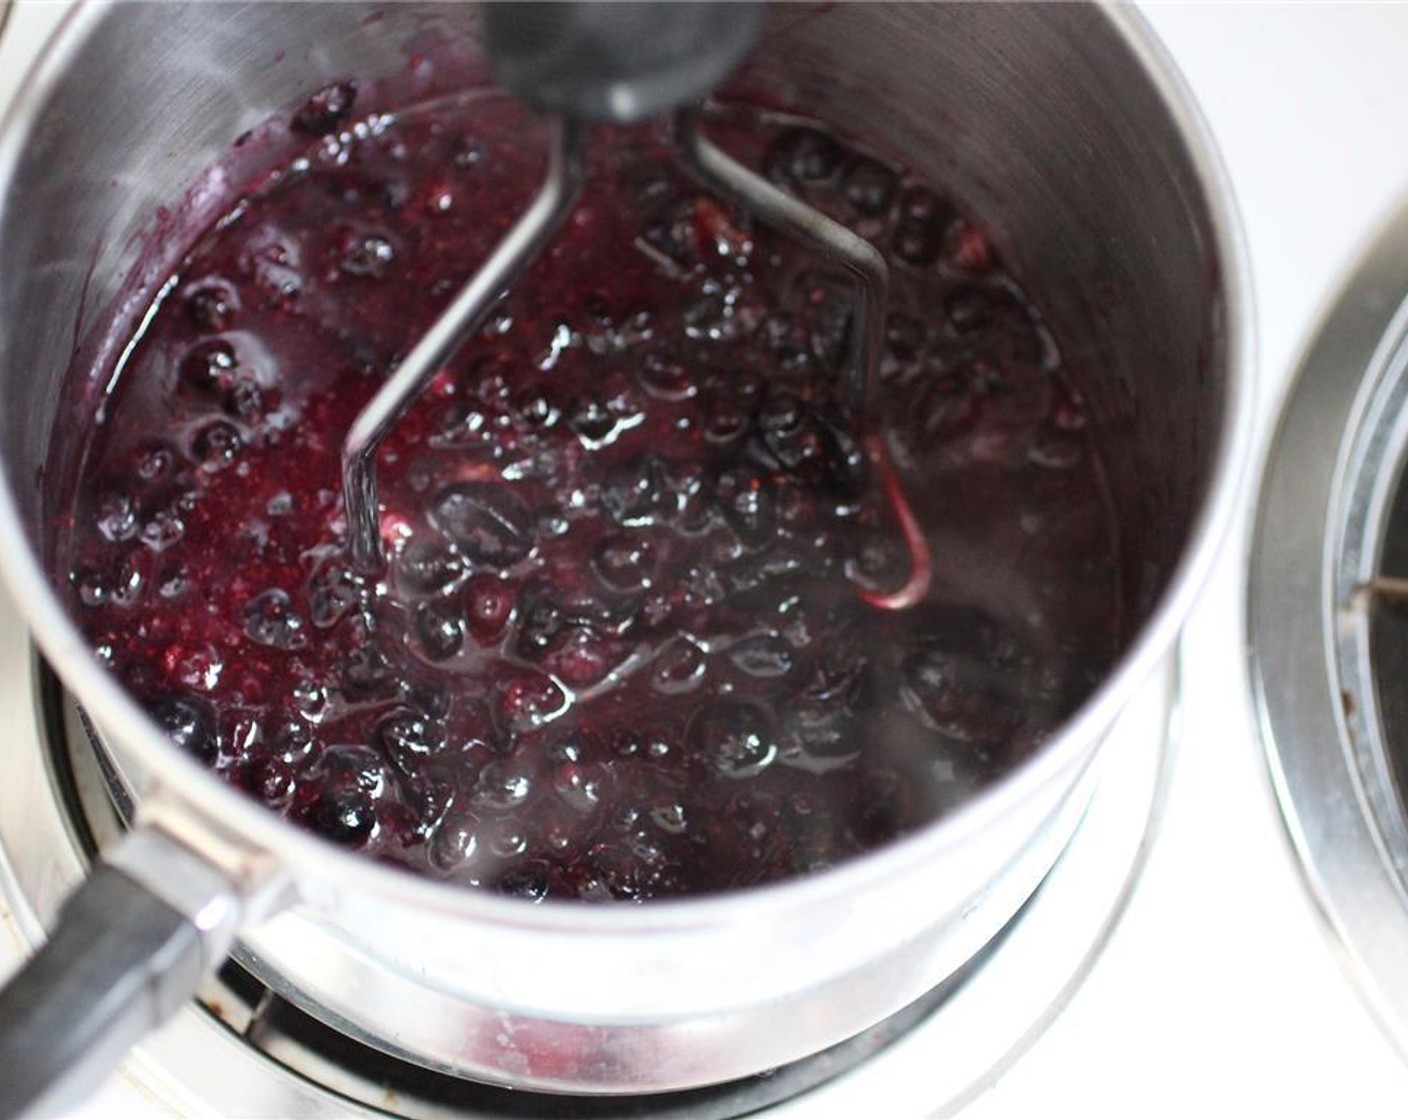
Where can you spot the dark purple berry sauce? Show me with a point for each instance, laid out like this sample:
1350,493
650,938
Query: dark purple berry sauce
624,647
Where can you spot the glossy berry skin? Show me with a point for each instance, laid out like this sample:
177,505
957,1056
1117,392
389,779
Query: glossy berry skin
189,722
623,647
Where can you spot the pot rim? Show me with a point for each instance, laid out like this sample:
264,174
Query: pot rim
111,707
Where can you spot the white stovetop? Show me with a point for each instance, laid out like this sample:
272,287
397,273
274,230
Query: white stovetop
1219,993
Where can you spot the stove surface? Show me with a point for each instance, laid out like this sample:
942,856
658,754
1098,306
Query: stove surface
1220,985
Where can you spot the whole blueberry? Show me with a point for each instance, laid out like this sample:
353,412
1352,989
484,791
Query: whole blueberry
188,722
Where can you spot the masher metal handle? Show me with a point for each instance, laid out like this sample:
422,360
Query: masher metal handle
465,315
579,62
608,60
809,227
829,239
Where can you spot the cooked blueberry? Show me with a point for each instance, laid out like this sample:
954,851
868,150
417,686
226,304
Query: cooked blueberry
293,743
489,606
803,156
351,766
746,499
272,781
206,366
244,397
502,785
923,221
333,590
216,445
441,634
782,414
733,738
593,422
365,255
454,842
765,656
428,794
433,700
679,667
527,701
188,722
824,732
668,380
326,110
869,187
117,582
406,739
625,562
581,656
798,449
489,522
270,620
528,881
637,491
724,419
367,674
117,516
212,307
960,677
580,786
426,566
634,636
153,461
540,621
346,817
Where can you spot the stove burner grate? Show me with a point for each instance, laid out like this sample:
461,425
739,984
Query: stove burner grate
295,1040
1328,622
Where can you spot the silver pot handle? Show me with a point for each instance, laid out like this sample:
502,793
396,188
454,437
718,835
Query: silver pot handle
129,949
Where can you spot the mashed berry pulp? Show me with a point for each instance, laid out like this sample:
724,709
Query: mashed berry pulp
622,648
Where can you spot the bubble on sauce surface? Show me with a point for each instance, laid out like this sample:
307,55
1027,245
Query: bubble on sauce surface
271,620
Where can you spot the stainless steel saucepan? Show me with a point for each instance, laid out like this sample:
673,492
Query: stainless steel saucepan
1064,126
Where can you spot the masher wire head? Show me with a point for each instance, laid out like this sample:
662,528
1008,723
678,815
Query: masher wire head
511,258
599,77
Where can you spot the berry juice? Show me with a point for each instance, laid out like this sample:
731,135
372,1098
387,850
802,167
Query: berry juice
626,644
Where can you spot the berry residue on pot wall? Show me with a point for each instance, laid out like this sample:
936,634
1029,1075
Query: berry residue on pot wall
621,650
